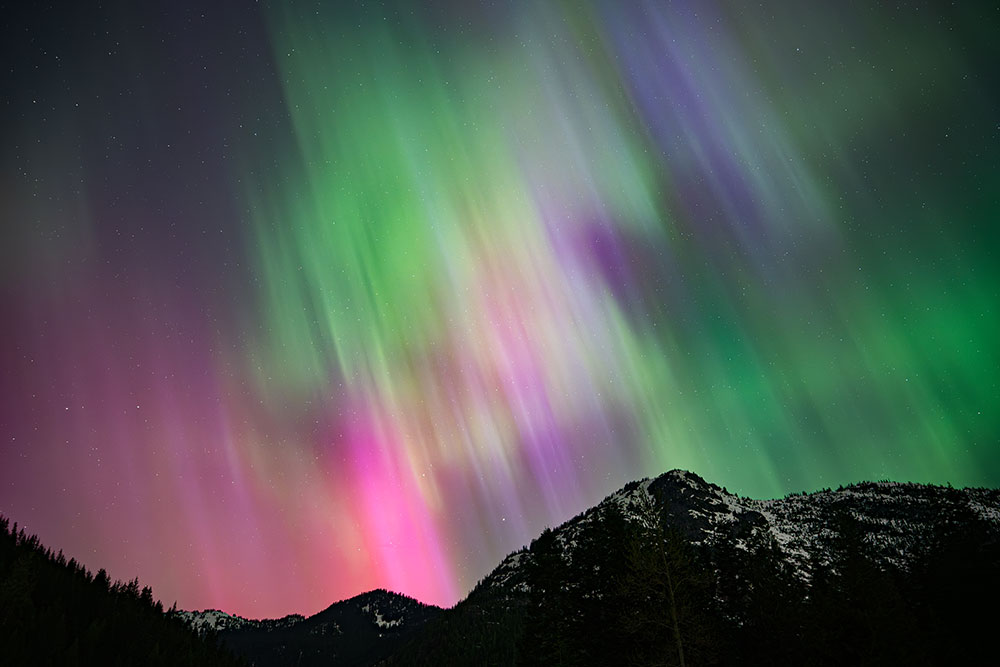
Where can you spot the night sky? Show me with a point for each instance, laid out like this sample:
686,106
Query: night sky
299,301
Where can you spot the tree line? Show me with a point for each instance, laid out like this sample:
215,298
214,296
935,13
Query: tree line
54,611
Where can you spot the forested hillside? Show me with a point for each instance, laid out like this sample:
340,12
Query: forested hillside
676,571
56,612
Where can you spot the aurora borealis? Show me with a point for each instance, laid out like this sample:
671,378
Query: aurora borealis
301,301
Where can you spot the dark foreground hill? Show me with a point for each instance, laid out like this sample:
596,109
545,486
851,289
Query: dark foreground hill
55,612
677,571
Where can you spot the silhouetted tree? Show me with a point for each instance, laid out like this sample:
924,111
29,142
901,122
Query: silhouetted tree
668,590
54,612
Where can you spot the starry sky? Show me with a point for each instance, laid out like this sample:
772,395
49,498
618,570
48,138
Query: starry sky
304,299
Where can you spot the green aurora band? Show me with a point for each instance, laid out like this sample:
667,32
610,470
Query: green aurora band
595,244
485,263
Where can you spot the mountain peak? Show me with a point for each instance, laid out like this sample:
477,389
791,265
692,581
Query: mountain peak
685,476
800,526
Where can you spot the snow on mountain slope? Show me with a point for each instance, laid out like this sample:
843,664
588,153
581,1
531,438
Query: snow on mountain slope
896,518
357,631
383,609
213,620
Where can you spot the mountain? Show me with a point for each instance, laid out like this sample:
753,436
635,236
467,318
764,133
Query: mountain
678,571
675,570
896,519
666,571
358,631
55,612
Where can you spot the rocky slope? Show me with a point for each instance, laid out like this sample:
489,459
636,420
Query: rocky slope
875,573
896,520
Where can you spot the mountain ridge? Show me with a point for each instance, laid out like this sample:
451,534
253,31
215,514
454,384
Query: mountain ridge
743,554
781,515
735,502
356,631
872,573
